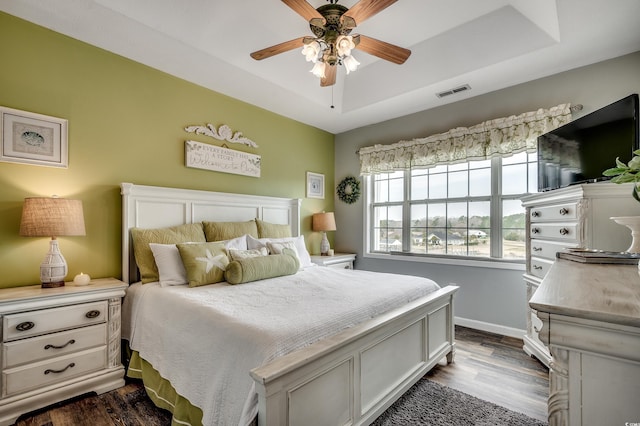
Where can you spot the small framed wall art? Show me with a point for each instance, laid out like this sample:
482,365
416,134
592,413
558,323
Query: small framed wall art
31,138
315,185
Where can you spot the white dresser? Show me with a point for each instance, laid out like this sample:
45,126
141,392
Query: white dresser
591,322
576,216
58,343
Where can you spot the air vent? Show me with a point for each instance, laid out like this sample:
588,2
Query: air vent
453,91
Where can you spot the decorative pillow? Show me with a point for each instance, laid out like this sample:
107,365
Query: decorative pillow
219,231
170,267
277,247
272,230
301,247
173,235
205,262
244,254
262,267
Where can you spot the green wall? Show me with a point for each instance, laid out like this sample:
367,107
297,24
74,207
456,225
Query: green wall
126,124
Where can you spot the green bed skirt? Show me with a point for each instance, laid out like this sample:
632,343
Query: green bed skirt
163,394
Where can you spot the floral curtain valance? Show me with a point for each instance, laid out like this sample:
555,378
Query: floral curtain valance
499,137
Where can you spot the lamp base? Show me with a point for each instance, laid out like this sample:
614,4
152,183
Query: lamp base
53,268
324,245
53,285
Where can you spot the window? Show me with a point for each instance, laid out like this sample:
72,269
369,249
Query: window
471,209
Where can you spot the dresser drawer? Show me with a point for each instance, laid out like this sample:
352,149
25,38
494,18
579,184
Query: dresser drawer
540,267
567,211
536,327
556,231
548,249
24,351
40,374
26,324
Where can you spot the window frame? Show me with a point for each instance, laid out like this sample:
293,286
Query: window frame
496,199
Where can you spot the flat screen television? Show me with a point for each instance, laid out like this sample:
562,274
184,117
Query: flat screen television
581,150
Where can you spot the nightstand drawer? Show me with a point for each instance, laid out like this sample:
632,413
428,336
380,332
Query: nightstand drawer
341,265
26,324
339,260
25,351
41,374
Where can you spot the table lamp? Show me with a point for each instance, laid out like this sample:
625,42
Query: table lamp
323,222
52,217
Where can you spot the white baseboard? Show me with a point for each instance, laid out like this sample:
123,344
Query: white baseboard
491,328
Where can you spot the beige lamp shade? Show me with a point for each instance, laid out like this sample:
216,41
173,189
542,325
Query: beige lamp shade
51,217
323,222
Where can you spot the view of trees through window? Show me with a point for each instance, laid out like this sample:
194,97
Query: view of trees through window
452,210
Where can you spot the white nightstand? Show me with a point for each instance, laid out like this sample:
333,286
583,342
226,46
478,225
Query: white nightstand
338,260
58,343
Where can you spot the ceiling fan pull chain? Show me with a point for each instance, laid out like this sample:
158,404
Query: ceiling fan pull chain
332,97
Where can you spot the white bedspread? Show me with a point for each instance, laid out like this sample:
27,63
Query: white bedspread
205,340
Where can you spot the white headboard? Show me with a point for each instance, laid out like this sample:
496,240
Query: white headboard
158,207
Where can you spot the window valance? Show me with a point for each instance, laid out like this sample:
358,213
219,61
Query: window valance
499,137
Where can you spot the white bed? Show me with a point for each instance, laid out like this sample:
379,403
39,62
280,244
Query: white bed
341,360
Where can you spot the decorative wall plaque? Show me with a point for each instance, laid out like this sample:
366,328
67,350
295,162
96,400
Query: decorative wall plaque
209,157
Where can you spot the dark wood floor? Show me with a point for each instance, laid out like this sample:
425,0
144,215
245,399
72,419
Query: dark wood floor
489,366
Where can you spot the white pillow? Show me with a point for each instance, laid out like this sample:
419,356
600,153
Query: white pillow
239,243
236,254
300,246
170,267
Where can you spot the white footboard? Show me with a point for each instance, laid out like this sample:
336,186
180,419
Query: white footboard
352,377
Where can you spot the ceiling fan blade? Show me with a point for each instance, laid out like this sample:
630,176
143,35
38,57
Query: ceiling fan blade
329,76
278,48
304,9
365,9
387,51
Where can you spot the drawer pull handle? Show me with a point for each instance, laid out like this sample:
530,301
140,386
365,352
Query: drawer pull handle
24,326
48,370
92,314
564,211
535,230
70,342
535,213
564,231
537,248
537,267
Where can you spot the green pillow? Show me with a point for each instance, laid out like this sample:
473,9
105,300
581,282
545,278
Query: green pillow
220,231
272,230
204,262
263,267
191,232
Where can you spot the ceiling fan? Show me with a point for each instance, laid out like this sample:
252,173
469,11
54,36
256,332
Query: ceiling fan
331,25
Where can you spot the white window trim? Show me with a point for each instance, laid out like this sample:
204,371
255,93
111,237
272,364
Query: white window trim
491,263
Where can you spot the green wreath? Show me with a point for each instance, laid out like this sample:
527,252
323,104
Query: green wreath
348,190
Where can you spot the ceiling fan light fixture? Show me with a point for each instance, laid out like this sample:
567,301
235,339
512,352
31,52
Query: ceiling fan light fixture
344,44
319,69
350,63
311,51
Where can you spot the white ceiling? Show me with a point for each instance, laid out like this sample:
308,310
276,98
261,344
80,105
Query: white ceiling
488,44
